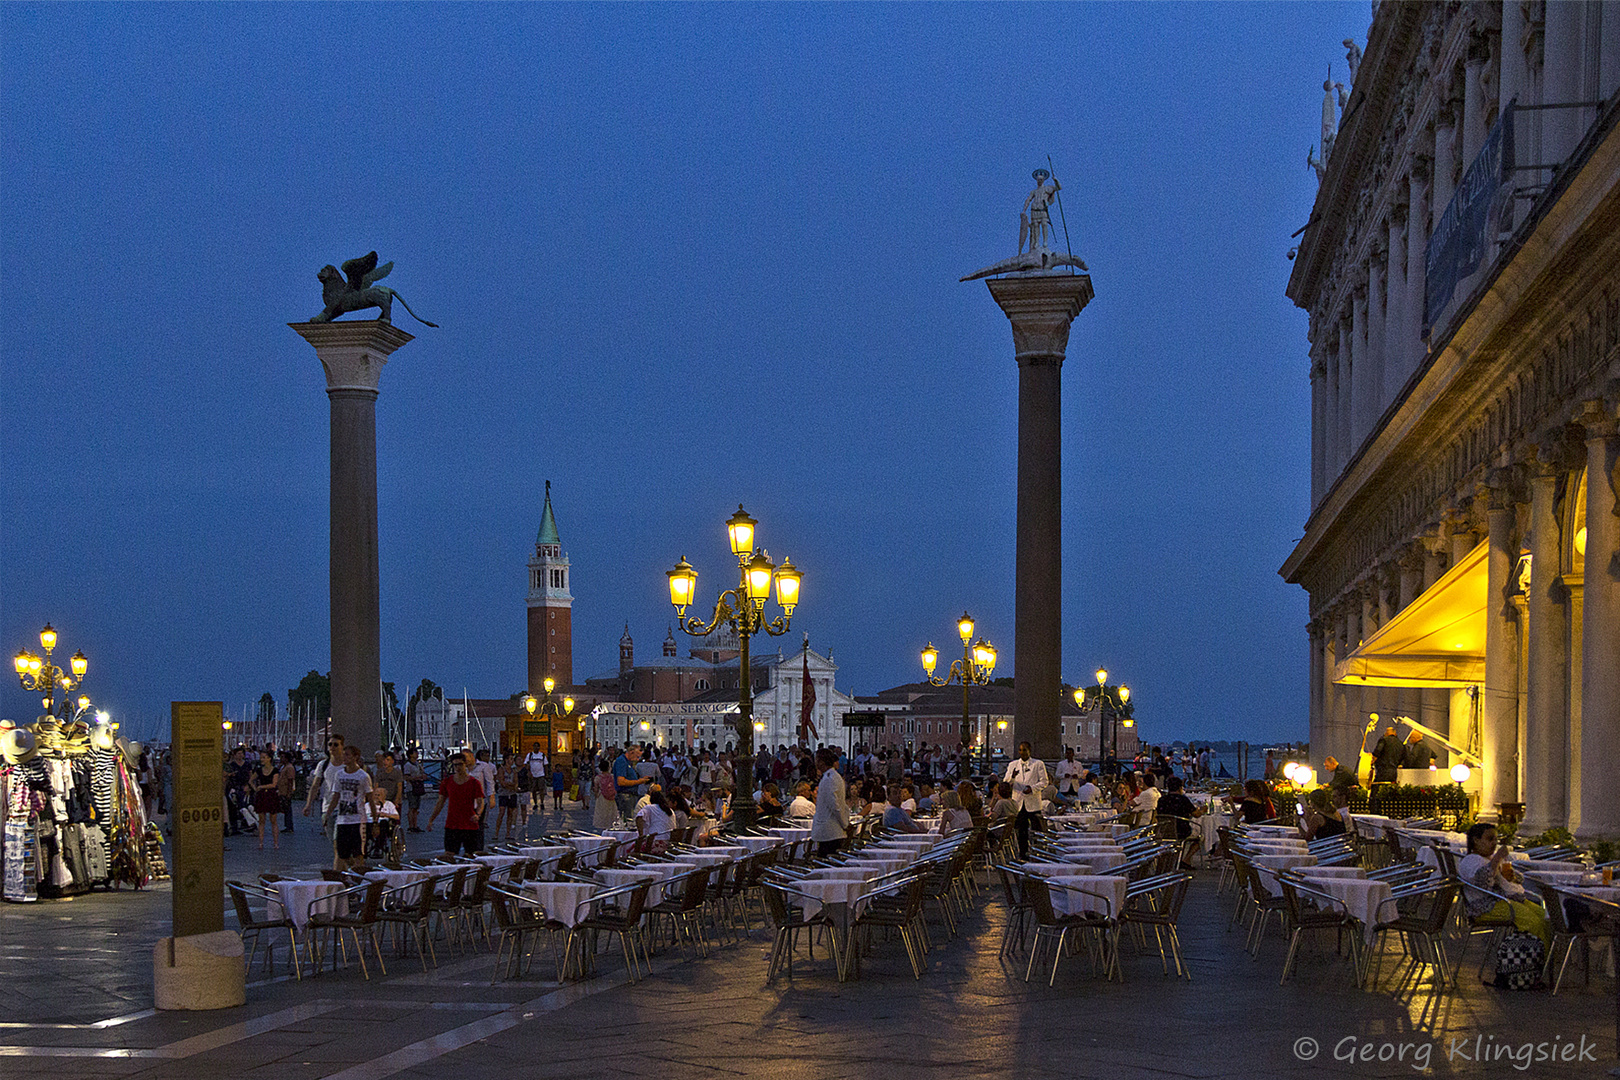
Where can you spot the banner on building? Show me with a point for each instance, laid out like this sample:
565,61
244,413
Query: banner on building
661,712
1471,220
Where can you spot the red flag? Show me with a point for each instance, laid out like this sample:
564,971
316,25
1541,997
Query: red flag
807,709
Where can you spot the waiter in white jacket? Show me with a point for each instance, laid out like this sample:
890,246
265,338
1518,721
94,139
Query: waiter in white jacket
1027,776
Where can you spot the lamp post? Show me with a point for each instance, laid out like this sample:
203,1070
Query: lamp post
548,707
974,669
744,611
38,674
1115,703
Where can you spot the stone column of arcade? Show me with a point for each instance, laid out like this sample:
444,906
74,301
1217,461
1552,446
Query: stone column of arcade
1040,308
353,354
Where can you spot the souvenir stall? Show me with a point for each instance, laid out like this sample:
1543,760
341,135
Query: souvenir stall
72,812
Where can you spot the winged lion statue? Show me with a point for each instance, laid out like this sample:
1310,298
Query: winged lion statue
355,289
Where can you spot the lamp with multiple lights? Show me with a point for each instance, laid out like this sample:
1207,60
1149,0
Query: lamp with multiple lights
743,609
975,668
559,714
1115,703
39,675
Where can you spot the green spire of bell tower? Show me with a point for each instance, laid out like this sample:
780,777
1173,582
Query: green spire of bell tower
548,522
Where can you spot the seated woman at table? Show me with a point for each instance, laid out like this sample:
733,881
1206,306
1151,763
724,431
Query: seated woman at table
953,818
770,802
1005,808
971,802
1256,805
1320,819
655,820
1486,866
679,808
897,817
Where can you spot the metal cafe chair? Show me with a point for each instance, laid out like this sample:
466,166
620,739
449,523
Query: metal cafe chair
247,924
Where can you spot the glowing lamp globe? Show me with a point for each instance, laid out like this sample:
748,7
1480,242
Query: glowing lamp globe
1460,773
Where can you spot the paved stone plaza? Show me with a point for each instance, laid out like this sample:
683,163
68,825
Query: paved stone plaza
78,994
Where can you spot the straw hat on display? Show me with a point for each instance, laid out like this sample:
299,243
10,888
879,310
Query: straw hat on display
18,745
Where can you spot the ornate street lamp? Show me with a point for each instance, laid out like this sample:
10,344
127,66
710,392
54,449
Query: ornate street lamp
1115,703
743,608
974,669
39,675
533,705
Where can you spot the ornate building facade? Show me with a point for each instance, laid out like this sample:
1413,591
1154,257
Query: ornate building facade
1461,270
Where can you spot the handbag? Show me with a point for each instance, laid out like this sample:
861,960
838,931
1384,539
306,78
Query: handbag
1519,959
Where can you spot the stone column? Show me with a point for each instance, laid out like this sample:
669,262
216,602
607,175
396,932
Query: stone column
1330,418
1409,700
1445,158
1377,325
1499,733
1363,389
1347,379
1436,705
1040,308
1546,721
1318,427
1397,350
353,354
1600,629
1417,250
1473,118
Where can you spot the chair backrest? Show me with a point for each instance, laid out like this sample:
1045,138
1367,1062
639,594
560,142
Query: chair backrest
1555,907
333,875
239,898
480,884
1038,894
458,881
608,857
568,861
637,903
373,901
1448,860
697,888
1440,906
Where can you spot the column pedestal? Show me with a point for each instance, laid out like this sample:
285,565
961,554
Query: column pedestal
1040,308
353,355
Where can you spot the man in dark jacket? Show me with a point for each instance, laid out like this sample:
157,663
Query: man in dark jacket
1418,754
1387,757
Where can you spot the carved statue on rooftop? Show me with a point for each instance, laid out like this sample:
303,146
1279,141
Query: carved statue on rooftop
1035,253
359,291
1352,54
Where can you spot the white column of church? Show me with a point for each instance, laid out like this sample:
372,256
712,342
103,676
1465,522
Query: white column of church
1417,246
1563,70
1377,310
1445,161
1499,723
1474,106
1361,387
1600,630
1436,702
1546,721
1395,349
1332,412
1318,426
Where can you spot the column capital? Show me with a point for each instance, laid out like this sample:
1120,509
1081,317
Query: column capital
1434,540
1040,308
1504,488
1422,170
1559,449
1597,418
354,352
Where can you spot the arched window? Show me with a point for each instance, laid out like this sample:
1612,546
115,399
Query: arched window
702,684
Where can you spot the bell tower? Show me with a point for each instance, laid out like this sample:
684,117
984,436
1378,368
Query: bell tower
551,642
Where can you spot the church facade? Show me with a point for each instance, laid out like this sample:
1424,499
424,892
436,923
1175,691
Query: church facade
1461,271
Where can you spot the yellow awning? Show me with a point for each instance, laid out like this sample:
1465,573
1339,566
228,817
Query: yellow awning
1438,640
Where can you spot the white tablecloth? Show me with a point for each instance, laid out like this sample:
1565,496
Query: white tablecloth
852,873
566,901
851,891
883,860
501,860
652,872
1068,900
1362,898
1276,846
1097,858
1207,826
759,843
296,896
1283,862
917,840
1057,869
791,834
549,855
590,847
401,879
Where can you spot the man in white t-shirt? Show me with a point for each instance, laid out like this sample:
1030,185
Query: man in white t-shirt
351,792
1089,791
1068,776
1147,800
538,775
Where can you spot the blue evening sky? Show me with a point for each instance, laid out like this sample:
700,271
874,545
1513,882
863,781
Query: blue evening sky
684,257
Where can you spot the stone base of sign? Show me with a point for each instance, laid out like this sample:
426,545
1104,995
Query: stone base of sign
203,971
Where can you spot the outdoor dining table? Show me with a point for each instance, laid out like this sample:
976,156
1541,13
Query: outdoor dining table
852,873
1098,858
1057,869
842,899
297,896
708,857
590,847
791,834
401,879
1268,831
1268,878
1277,846
500,860
568,902
759,843
657,873
882,861
1208,829
1283,862
548,854
1103,893
1361,897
